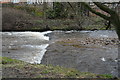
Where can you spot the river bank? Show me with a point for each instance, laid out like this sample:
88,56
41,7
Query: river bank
12,68
14,19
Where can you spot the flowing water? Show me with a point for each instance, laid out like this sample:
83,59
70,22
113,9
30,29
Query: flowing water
26,46
43,47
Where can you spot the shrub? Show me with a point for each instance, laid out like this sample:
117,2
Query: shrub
57,11
35,11
14,19
50,14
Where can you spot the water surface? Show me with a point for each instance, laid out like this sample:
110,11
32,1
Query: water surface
48,48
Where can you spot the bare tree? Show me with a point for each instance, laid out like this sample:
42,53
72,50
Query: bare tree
79,14
113,16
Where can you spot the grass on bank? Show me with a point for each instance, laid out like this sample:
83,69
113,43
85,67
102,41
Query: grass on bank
42,71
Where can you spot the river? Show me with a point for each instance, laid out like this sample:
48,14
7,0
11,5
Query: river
65,48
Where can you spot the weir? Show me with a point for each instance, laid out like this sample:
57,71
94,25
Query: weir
26,46
86,51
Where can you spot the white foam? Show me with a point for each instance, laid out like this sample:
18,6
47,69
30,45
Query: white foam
40,49
46,32
85,31
103,59
116,60
7,33
68,31
37,59
103,35
38,35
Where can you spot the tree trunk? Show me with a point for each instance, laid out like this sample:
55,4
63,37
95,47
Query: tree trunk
78,15
117,25
108,25
113,18
116,22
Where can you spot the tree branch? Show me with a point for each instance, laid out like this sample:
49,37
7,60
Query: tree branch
95,12
104,8
71,6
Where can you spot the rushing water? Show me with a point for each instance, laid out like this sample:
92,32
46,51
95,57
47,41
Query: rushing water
27,46
32,46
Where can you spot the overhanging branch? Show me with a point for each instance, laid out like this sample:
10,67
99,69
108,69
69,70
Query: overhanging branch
95,12
104,8
71,7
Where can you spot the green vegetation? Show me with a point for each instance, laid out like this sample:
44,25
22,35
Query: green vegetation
35,11
57,11
23,17
42,71
6,60
107,75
